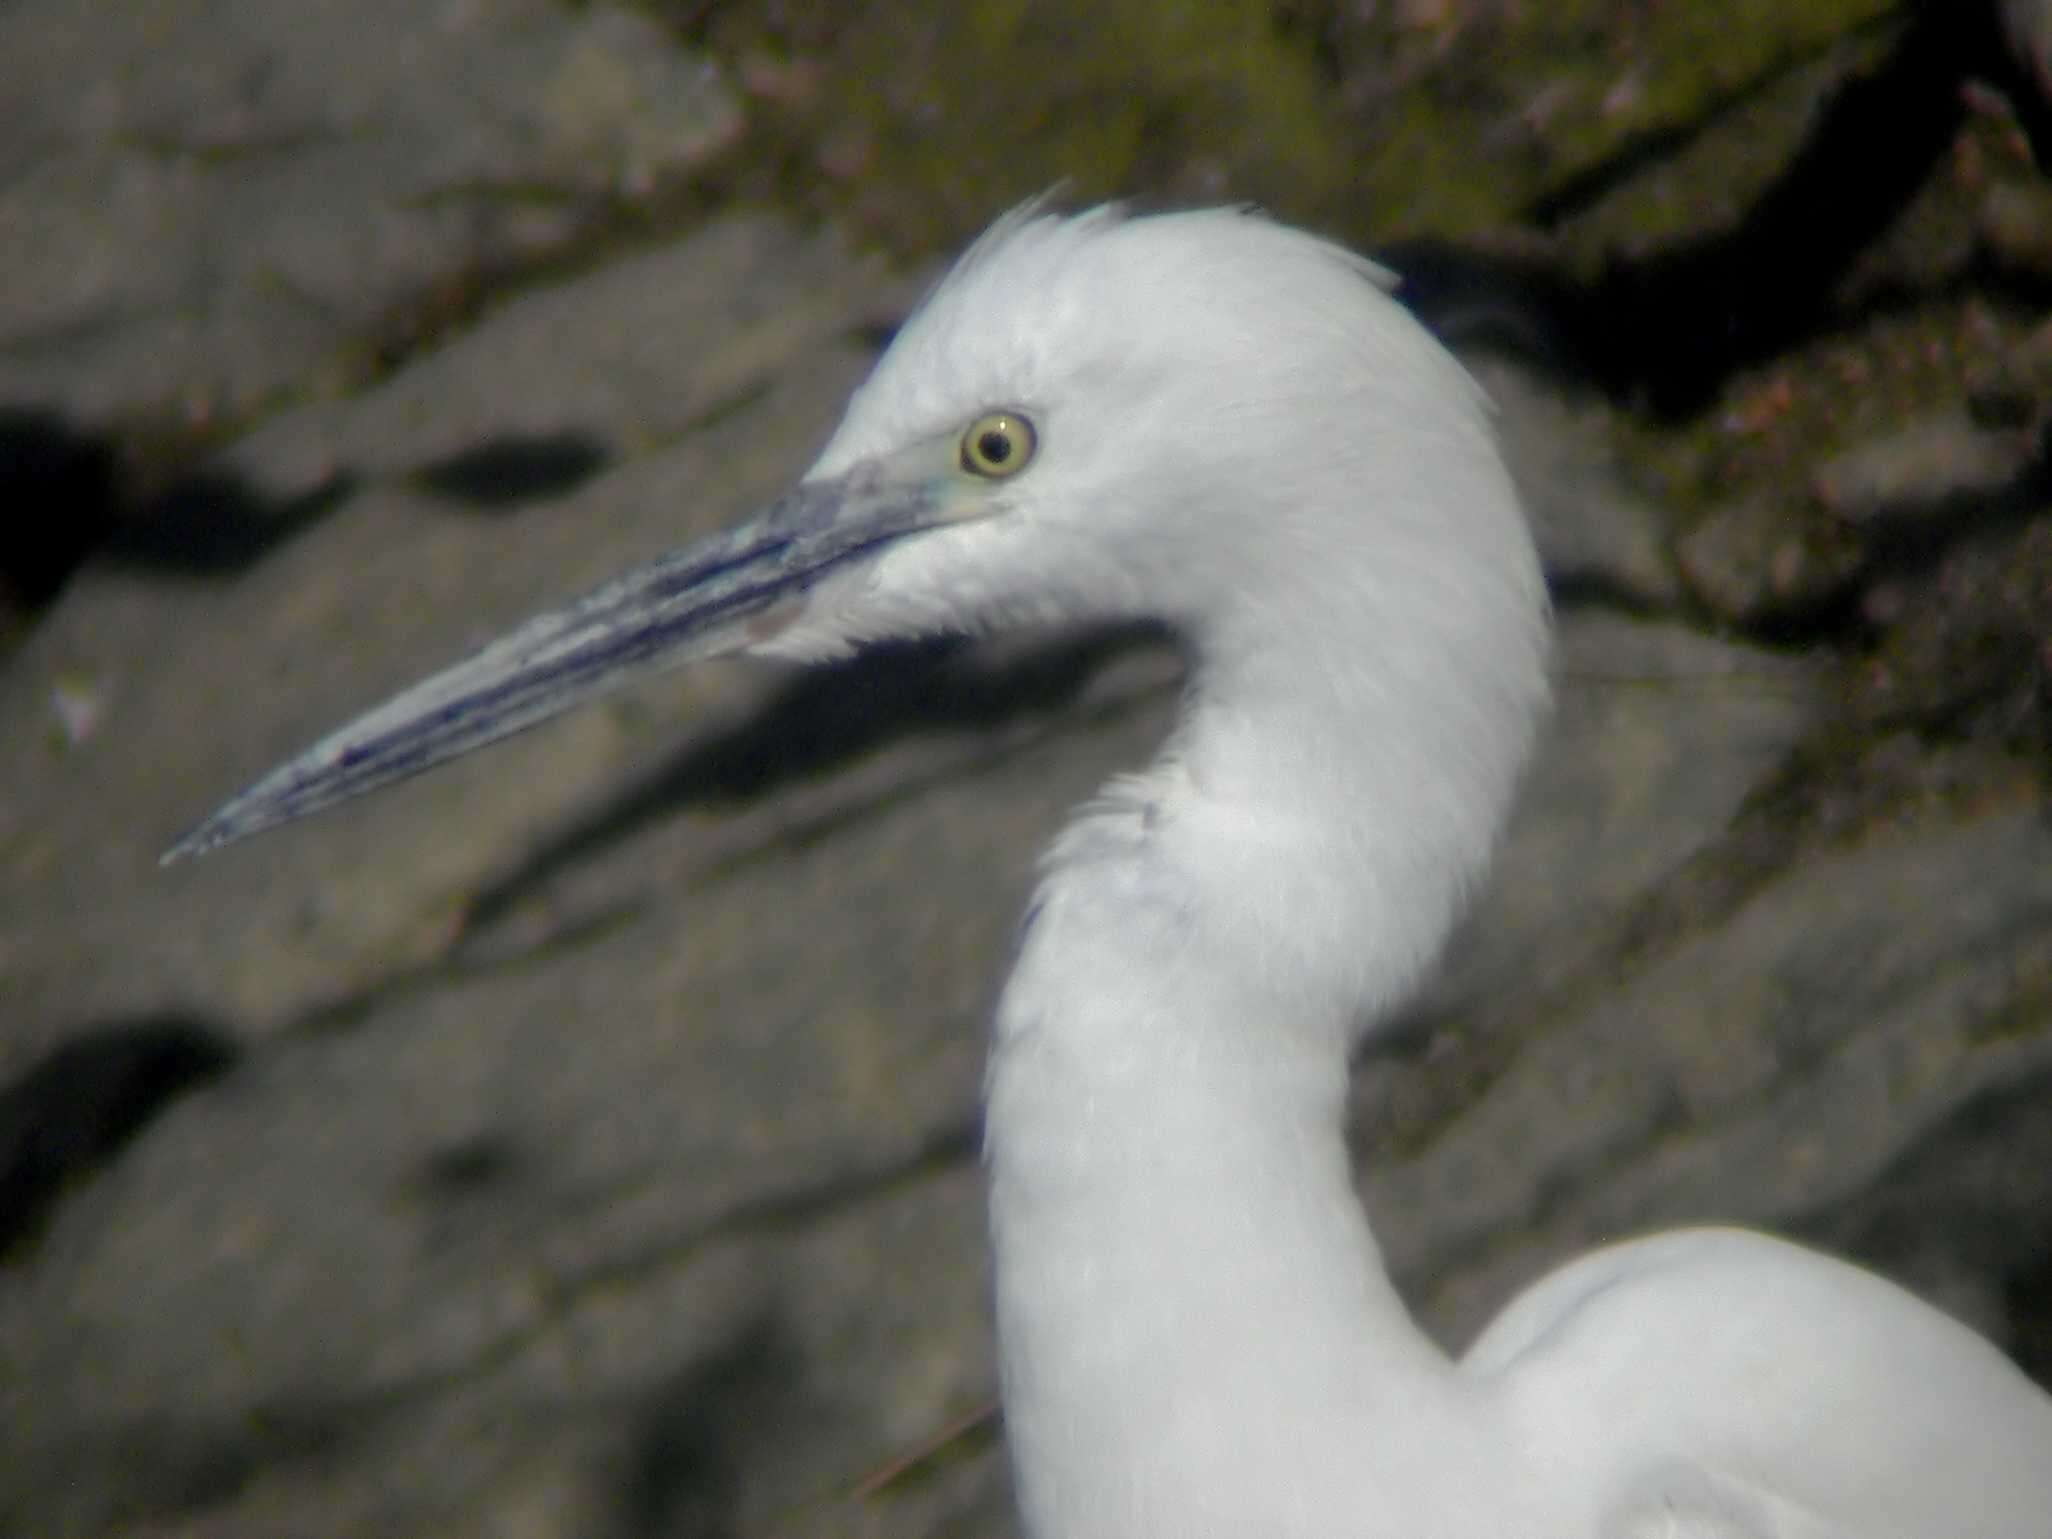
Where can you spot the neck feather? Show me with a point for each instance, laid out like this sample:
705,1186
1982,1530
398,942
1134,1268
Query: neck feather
1199,1336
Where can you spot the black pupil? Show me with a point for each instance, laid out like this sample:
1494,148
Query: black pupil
994,446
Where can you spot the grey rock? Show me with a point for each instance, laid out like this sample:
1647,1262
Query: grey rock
1595,531
1761,1072
1659,734
203,208
146,695
1924,470
1758,562
631,357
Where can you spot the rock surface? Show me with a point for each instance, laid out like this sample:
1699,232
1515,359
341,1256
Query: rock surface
205,208
582,1140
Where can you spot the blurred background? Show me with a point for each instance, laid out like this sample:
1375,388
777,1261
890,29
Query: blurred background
582,1140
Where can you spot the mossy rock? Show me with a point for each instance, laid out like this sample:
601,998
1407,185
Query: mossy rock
1446,119
1502,108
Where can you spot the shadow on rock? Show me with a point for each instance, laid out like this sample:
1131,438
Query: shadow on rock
694,1437
70,497
823,719
470,1168
75,1109
1669,330
171,1467
212,524
513,469
60,488
1972,1199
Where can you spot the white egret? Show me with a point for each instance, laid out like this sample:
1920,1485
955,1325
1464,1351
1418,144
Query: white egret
1212,420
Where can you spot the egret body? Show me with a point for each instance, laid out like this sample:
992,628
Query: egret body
1214,421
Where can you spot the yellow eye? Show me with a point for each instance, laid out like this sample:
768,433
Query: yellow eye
998,444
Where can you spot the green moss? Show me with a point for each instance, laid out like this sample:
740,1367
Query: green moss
1504,114
922,120
1663,65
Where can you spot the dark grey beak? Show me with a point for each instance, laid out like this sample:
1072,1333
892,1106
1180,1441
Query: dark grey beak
727,593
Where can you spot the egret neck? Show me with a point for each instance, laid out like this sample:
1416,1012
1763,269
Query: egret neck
1198,1333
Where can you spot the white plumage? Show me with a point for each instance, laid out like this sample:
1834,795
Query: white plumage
1216,421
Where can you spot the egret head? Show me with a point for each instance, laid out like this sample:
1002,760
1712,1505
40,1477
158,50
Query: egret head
1135,418
1091,418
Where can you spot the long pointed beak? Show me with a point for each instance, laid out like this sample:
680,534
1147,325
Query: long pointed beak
724,594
